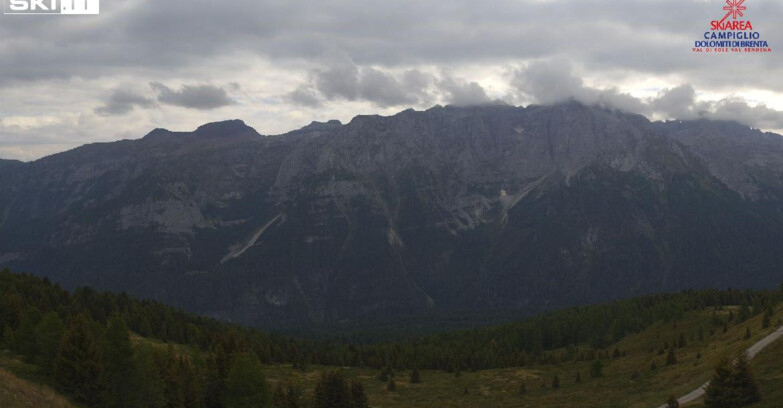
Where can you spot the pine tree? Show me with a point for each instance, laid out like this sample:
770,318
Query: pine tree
766,321
744,381
415,376
117,353
279,397
77,366
292,396
681,342
217,366
245,384
26,336
555,381
286,397
578,378
11,306
596,369
358,399
522,388
747,333
331,391
732,385
148,384
671,358
744,312
391,385
49,333
9,337
145,328
672,402
172,376
192,388
383,376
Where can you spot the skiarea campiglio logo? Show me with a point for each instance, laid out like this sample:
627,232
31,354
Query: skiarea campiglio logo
733,33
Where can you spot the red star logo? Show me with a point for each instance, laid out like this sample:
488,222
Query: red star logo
734,8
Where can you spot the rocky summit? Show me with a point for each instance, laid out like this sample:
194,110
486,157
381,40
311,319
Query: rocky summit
448,209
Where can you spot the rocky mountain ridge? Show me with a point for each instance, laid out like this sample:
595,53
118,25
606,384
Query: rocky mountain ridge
480,208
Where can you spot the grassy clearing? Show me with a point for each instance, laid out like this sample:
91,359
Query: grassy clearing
768,369
628,380
18,392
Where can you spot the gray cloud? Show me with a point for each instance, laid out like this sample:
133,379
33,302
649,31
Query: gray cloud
462,93
399,53
123,101
385,90
677,102
548,82
202,97
738,109
304,96
642,36
553,81
340,78
343,79
681,103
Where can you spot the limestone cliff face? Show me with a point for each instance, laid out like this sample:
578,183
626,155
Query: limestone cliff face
450,208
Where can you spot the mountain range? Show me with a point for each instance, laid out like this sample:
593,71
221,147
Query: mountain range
450,209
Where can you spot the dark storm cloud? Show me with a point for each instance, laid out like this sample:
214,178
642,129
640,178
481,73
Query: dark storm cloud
645,36
193,96
123,101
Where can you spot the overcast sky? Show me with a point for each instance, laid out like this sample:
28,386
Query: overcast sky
280,64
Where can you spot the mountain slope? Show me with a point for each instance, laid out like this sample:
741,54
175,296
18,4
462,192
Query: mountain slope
18,393
481,208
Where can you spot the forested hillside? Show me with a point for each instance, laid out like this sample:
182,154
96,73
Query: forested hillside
104,349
